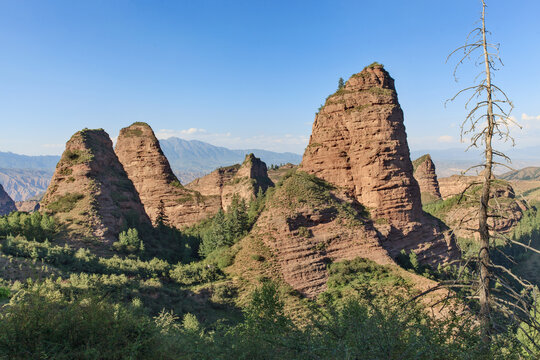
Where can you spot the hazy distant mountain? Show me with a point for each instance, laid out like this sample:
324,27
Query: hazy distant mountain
453,161
191,159
26,176
23,184
528,173
9,160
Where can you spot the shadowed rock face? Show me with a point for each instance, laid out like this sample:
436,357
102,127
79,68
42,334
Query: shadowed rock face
90,191
243,180
7,205
424,173
139,152
359,143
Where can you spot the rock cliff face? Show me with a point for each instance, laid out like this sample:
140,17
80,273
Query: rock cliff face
7,204
424,173
139,152
244,180
90,191
359,143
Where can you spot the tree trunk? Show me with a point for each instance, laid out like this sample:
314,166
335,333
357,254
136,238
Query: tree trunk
483,229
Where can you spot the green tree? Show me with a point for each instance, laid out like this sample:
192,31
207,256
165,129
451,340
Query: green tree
341,83
129,241
162,219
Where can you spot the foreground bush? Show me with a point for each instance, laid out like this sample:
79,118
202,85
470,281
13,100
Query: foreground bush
34,326
42,323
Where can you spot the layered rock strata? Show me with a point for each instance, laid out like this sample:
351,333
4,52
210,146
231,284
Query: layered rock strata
244,180
359,143
307,224
424,173
90,192
147,167
7,205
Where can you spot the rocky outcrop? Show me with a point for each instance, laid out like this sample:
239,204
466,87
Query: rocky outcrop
243,180
28,206
307,224
424,173
90,192
139,152
359,143
461,200
457,184
7,205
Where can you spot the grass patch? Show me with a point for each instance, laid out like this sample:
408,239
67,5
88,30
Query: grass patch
132,132
65,203
177,184
74,157
381,91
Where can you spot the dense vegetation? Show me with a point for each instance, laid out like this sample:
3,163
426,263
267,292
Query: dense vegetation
165,294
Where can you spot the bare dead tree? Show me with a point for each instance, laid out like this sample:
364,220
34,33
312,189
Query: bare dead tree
488,118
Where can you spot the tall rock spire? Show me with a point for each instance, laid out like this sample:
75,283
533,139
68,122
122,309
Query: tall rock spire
424,173
359,143
139,152
90,191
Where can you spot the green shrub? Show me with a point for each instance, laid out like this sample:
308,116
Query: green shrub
35,326
195,273
304,232
129,242
4,293
35,226
257,257
74,157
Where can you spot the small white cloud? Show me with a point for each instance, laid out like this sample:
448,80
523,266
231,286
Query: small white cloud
445,139
191,131
529,117
167,133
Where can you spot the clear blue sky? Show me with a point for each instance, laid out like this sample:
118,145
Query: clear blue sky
243,74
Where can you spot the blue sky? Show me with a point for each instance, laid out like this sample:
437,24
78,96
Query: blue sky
244,74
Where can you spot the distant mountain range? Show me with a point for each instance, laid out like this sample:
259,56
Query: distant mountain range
23,184
453,161
26,176
191,159
528,173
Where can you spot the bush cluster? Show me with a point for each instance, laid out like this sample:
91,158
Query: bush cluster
35,226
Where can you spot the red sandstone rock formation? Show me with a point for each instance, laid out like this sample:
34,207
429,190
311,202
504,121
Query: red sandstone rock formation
243,180
307,224
424,173
359,143
139,152
6,202
90,192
